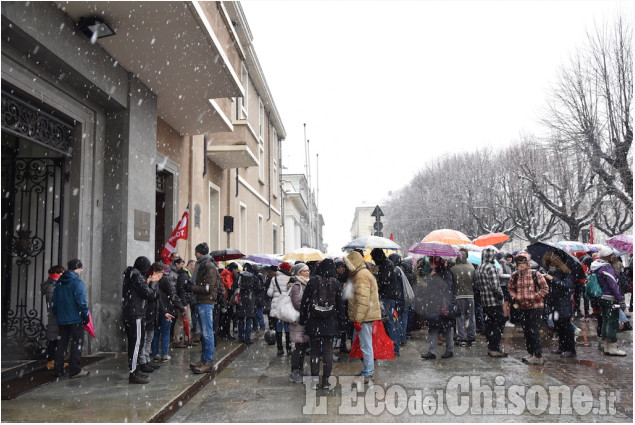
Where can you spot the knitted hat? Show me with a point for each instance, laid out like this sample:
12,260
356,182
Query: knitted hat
295,270
76,264
142,264
285,266
605,251
202,248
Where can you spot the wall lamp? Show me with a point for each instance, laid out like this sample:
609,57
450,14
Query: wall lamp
95,27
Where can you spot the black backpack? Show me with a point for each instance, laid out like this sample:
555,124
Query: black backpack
322,304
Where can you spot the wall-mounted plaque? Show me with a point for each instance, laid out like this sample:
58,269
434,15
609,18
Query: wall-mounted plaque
141,226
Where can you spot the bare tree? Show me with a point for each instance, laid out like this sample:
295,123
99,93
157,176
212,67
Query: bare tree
563,183
590,109
532,220
613,218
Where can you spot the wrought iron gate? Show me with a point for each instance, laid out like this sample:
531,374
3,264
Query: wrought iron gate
35,246
34,147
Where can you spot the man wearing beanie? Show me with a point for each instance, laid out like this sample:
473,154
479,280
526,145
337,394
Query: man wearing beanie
206,284
71,309
136,293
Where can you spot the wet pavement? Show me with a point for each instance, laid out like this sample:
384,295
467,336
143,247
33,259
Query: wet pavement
106,396
256,386
252,386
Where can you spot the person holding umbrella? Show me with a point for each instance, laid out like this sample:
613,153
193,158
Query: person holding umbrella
560,293
528,289
438,295
610,301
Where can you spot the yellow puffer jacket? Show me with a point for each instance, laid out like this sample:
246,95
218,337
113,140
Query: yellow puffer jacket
364,304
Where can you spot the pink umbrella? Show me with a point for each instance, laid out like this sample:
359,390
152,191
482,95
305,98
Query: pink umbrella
89,326
622,242
433,249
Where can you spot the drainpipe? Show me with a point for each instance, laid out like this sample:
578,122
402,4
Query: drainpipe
269,161
229,198
236,182
282,198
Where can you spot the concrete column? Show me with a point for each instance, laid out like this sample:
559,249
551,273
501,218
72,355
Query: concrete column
129,202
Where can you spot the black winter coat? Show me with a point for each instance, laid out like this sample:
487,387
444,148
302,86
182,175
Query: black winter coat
248,285
313,327
169,298
155,306
560,294
183,280
433,296
136,294
389,284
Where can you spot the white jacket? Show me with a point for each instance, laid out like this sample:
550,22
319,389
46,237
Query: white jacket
273,292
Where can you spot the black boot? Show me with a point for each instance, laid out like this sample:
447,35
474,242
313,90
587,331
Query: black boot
343,339
279,343
288,336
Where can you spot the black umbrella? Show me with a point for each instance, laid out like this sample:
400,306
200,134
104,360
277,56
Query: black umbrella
539,249
226,254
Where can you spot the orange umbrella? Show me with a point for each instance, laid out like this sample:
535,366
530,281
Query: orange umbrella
449,236
490,239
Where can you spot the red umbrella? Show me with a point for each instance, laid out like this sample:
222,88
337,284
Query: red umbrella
88,327
186,329
490,239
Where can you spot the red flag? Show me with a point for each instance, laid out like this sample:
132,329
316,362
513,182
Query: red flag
180,232
392,238
591,235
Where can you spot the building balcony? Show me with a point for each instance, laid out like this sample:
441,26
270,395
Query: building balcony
235,149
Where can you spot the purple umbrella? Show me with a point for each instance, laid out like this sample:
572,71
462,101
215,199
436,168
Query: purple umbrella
622,242
433,249
263,259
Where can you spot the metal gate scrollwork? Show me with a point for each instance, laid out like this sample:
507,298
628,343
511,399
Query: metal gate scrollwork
35,247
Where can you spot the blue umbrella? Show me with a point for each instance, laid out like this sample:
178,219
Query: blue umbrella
572,246
475,258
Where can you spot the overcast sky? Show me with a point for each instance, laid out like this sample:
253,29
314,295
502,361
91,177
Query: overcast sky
386,86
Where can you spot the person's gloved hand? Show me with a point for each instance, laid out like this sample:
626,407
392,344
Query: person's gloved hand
623,306
357,326
85,320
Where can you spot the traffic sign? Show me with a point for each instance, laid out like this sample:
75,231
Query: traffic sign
377,212
378,225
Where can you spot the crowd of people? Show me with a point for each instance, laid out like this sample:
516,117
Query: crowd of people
315,308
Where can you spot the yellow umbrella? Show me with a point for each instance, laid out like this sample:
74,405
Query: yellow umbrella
368,258
304,254
449,236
